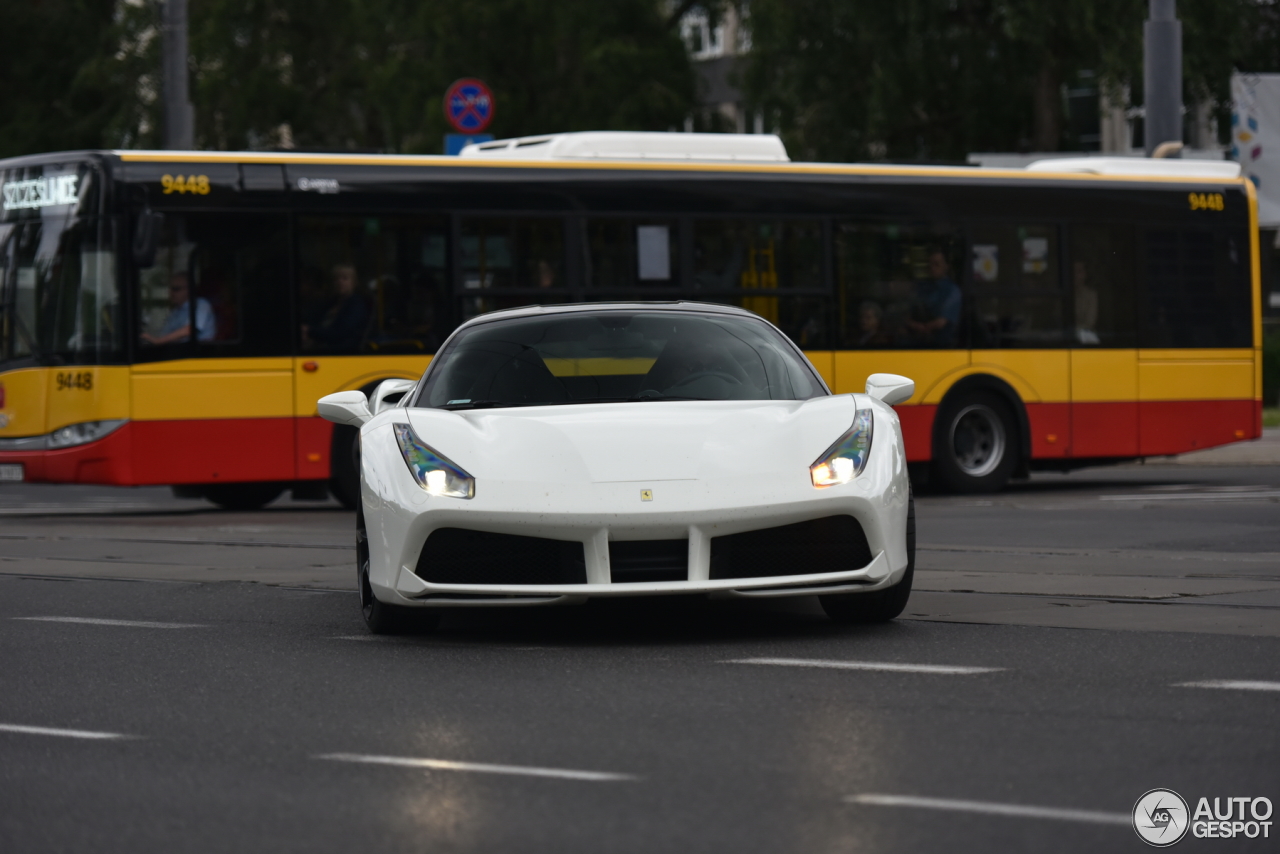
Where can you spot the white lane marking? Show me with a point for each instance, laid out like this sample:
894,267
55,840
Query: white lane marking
987,808
481,767
1232,685
66,733
939,669
137,624
1195,496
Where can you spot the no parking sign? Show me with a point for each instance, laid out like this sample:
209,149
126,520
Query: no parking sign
468,105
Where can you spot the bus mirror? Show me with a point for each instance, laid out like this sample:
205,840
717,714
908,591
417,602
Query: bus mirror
345,407
388,393
146,237
890,388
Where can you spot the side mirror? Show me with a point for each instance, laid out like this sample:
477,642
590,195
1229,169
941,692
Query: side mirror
146,237
345,407
890,388
388,394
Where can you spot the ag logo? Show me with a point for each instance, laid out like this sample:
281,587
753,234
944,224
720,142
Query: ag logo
1160,817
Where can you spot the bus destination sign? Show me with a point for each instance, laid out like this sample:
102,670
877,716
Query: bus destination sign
46,192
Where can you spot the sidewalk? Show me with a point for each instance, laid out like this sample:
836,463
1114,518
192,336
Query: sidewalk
1259,452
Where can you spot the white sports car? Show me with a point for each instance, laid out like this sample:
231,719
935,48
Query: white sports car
554,454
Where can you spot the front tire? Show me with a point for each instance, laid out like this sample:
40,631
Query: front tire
882,605
976,446
344,456
380,617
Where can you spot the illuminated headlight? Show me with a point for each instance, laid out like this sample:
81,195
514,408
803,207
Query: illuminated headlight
846,459
436,474
80,434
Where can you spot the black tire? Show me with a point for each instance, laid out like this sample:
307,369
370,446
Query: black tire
344,480
242,496
882,605
380,617
976,443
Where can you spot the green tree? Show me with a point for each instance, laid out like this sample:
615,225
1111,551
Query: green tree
936,79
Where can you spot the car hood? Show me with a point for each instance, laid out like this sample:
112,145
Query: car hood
637,441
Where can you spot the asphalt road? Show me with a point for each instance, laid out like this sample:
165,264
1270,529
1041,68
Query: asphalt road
173,678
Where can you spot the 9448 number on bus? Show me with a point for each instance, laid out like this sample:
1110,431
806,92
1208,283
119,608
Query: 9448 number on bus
82,380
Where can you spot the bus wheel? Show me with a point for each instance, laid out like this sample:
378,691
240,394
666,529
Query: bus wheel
345,481
242,496
976,445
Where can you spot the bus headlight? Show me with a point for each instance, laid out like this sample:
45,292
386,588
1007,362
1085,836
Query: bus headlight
434,472
846,459
82,434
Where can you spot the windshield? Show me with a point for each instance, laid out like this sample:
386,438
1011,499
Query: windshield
616,355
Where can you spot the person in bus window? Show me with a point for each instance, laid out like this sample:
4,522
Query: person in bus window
871,331
1086,299
936,313
177,324
343,325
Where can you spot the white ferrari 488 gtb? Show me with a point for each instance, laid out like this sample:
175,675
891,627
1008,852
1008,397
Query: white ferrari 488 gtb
554,454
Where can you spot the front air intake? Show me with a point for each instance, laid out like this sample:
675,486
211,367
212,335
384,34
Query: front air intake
831,544
461,556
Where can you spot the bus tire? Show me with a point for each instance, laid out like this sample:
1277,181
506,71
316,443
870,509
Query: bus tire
242,496
976,443
883,605
344,480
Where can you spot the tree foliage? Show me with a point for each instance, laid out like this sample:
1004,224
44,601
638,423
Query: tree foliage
352,74
935,79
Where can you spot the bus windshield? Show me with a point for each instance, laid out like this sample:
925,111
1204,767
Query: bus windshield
60,298
616,355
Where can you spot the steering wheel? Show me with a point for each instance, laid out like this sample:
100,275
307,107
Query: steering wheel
697,375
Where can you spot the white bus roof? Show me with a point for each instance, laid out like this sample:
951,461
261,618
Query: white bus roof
1140,166
628,145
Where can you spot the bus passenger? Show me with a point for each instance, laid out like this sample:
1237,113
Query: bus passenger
871,331
343,325
936,316
177,324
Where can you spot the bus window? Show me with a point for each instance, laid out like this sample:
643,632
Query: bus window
1018,295
1103,285
371,284
1196,290
754,263
898,286
217,288
62,299
512,254
631,254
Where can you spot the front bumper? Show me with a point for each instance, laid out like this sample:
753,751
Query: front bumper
400,516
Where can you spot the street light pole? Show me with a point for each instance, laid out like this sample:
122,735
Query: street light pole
179,115
1162,75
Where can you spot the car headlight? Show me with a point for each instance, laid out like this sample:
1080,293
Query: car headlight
846,459
436,474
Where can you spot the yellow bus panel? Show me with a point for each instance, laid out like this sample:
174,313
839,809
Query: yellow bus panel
929,369
79,394
191,389
1101,376
24,402
321,375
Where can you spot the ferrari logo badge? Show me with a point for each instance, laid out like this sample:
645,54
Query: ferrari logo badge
646,495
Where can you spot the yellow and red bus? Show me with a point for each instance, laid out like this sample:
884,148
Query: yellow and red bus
172,317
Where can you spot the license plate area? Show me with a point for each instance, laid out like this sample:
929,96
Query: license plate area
11,472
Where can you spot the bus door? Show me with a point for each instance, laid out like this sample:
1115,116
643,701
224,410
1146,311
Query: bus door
1104,358
372,304
212,380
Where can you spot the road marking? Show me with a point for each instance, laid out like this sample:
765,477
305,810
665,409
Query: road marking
66,733
136,624
1195,496
939,669
1232,685
481,767
986,808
